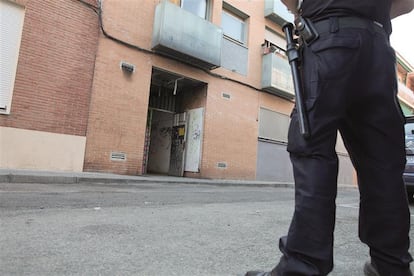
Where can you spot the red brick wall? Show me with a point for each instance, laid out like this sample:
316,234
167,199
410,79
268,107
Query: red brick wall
55,68
118,110
119,102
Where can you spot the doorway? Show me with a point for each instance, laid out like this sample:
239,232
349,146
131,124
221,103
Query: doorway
173,98
160,141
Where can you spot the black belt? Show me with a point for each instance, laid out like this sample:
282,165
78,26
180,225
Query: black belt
333,24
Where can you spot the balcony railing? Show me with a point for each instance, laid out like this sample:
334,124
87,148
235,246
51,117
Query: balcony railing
277,12
277,76
186,37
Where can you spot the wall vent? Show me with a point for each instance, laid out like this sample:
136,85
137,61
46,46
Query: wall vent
118,156
226,96
127,67
221,165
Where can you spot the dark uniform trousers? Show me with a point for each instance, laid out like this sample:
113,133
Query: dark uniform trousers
350,84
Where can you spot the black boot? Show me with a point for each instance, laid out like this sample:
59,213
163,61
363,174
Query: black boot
370,269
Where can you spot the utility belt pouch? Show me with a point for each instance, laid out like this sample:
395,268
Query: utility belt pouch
306,30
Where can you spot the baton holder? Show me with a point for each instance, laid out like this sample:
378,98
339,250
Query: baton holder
293,57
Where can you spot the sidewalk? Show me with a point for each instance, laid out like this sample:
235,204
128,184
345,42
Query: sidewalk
54,177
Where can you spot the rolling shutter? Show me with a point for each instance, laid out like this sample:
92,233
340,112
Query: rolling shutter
11,26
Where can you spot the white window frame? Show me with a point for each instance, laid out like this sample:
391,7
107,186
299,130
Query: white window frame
11,28
207,11
239,17
206,8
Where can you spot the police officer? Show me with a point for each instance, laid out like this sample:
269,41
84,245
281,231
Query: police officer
349,82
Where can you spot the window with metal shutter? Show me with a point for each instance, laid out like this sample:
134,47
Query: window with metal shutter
11,26
275,38
273,125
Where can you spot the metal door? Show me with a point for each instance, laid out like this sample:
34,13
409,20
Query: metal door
178,145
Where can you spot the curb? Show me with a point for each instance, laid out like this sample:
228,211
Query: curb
83,178
55,178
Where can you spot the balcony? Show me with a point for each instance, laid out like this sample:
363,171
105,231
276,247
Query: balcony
186,37
277,76
277,12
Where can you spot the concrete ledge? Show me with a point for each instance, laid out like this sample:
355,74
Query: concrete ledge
50,177
45,179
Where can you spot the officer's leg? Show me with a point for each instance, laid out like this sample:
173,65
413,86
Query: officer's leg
308,247
374,135
384,217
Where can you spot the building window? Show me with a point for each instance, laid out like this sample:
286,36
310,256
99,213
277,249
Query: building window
197,7
11,26
234,24
274,43
273,126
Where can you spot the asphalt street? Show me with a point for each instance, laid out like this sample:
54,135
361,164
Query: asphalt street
157,229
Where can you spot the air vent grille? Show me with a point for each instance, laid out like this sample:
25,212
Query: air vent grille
118,156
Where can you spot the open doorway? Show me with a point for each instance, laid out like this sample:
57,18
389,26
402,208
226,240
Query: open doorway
174,124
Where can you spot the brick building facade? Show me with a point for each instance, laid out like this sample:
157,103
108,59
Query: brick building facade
164,87
45,125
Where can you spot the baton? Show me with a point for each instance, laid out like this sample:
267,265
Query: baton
293,57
